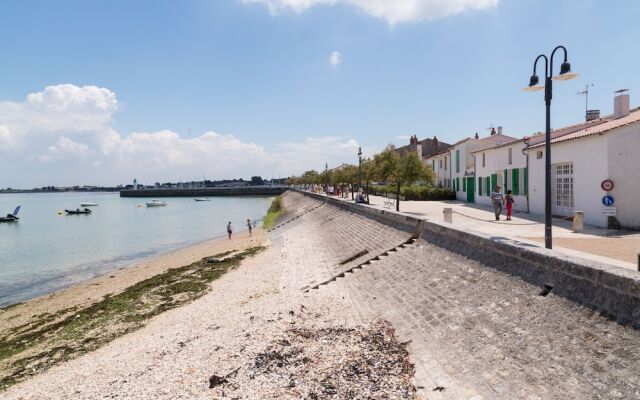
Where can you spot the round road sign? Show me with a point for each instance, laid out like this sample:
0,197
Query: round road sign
608,200
607,185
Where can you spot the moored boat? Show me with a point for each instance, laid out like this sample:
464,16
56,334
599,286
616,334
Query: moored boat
11,217
78,211
89,204
201,199
155,203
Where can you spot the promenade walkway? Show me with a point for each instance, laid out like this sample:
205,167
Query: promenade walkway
606,245
475,332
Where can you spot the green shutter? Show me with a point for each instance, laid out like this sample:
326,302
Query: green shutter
526,181
458,183
506,181
457,160
516,181
488,185
494,181
464,184
479,186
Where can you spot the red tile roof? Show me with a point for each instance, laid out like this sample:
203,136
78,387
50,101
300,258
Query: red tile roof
598,126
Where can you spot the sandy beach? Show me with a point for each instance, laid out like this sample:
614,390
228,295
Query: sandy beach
111,283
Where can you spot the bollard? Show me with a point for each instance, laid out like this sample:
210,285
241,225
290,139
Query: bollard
578,221
448,215
638,262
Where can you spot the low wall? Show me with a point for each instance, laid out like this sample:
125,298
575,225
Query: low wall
205,192
610,289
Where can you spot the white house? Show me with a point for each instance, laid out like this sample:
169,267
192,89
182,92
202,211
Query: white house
582,157
503,165
463,173
440,163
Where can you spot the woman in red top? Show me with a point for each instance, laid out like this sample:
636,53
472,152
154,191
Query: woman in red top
510,202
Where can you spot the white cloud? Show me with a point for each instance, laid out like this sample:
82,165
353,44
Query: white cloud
63,136
392,11
335,58
65,148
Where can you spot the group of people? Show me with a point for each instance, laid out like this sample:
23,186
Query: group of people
230,228
498,200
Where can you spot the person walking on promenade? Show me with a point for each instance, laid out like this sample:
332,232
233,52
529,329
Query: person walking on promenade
229,229
509,203
249,226
497,199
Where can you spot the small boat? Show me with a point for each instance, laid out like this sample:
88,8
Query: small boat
202,199
78,211
155,203
89,204
11,217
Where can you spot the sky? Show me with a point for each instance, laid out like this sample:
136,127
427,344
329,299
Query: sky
100,93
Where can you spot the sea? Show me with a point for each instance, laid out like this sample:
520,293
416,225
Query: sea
48,250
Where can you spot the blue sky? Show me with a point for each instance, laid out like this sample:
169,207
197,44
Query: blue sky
263,74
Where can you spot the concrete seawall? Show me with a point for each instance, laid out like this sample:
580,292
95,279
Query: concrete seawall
202,192
607,288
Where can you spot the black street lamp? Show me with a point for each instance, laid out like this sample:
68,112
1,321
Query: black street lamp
565,74
359,167
326,178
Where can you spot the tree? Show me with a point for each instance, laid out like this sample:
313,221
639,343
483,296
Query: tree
412,169
256,180
369,173
388,166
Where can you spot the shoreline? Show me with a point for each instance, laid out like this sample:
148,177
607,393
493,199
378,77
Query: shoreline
114,281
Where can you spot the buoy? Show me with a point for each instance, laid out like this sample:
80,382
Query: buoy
59,212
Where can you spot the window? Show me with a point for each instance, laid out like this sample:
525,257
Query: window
479,186
484,161
433,165
440,163
539,154
457,160
464,184
510,156
445,163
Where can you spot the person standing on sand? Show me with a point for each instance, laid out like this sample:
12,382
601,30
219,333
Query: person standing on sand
249,226
229,229
497,199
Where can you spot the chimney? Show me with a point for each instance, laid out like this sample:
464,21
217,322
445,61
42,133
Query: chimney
476,136
493,131
436,145
499,130
621,103
592,114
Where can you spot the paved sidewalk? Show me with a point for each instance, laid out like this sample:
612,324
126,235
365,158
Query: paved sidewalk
606,245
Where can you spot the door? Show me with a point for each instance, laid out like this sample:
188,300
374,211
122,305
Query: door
470,189
562,189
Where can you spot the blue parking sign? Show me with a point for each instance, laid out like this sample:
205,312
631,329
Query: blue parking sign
608,200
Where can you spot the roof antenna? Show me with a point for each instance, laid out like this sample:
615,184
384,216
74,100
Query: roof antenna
585,93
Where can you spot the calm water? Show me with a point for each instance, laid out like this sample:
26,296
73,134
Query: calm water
46,251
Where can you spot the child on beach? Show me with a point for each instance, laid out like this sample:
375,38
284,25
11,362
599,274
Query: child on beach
249,226
510,202
229,229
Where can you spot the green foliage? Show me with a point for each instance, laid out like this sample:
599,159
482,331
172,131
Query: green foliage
275,211
416,192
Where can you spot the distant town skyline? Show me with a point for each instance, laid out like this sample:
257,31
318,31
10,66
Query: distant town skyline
100,93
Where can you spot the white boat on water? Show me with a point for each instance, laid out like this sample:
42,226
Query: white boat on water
156,203
201,199
89,204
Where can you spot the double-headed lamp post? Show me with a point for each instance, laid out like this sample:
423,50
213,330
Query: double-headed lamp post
565,74
359,167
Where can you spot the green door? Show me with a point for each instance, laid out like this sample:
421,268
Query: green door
470,189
